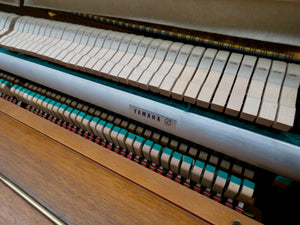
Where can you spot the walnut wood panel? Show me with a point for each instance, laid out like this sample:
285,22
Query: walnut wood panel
68,173
15,210
73,188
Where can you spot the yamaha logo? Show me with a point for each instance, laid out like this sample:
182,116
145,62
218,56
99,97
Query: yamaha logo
168,121
152,117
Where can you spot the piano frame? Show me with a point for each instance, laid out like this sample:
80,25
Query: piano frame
179,198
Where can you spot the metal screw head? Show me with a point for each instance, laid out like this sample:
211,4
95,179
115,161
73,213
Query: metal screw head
51,14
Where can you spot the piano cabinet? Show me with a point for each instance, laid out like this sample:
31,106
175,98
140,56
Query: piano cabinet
212,108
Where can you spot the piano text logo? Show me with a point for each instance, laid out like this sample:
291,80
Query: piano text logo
152,117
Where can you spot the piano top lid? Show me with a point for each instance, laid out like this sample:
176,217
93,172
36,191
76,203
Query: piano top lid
275,21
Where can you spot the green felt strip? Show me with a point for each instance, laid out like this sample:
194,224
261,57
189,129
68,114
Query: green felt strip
187,159
177,155
88,117
124,132
116,129
199,164
168,151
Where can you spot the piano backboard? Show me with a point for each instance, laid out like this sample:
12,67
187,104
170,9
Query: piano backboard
268,20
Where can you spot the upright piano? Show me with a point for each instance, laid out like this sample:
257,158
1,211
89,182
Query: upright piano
149,112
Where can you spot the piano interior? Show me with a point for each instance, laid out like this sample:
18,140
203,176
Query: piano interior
208,114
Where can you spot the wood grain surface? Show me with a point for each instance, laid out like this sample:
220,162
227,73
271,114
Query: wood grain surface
15,210
77,190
